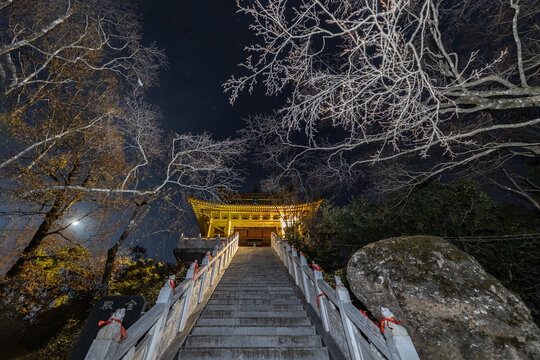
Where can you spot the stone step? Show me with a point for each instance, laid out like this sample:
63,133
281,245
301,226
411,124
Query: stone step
247,285
262,314
204,353
255,283
254,341
251,289
253,321
255,269
254,273
254,292
233,276
249,271
255,307
278,301
259,296
253,330
254,313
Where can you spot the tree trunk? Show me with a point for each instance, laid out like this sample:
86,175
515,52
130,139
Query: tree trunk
54,213
111,253
59,208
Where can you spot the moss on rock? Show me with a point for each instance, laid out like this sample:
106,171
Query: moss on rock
449,304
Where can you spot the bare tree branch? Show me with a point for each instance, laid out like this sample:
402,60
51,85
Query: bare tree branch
35,145
517,189
371,82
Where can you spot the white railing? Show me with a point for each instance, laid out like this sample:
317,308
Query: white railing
148,338
354,333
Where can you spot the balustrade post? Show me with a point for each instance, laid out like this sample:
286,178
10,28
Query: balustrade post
320,298
225,254
294,254
187,295
233,246
229,252
181,240
398,340
343,297
108,337
288,257
285,259
164,298
203,277
305,278
228,258
214,264
220,258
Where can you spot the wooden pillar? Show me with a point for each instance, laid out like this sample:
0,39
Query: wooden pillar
229,223
210,223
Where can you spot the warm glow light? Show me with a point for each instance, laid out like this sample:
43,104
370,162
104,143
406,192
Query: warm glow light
75,223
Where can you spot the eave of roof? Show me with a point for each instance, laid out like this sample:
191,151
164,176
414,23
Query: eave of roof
201,204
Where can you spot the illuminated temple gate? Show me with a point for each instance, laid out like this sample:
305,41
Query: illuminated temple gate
253,215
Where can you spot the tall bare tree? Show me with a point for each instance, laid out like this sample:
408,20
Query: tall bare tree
195,164
128,161
426,86
44,47
72,137
63,64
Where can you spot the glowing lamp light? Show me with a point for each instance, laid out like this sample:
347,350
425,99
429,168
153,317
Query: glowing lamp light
75,223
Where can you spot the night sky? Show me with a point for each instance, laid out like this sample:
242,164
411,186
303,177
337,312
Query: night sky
204,42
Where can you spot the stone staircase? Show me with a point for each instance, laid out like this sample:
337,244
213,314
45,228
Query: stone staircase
254,313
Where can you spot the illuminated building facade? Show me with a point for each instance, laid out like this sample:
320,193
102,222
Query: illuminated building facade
253,215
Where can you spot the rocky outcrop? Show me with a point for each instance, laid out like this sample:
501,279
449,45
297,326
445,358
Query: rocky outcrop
451,307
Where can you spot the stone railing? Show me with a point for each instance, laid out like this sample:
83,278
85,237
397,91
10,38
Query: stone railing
200,237
173,313
356,335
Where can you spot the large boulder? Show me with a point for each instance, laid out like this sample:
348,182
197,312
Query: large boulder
450,306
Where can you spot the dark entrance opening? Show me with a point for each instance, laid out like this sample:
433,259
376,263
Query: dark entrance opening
259,236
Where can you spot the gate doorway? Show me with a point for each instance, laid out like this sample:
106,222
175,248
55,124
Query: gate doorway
259,236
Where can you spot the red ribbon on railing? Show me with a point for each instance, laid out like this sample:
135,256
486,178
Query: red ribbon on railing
366,315
335,286
196,268
123,331
318,296
173,285
388,320
302,254
316,267
209,256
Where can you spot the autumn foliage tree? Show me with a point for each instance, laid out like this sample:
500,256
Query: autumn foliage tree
62,66
78,127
